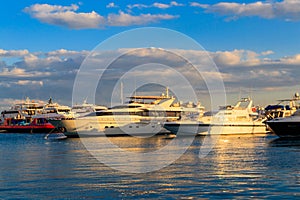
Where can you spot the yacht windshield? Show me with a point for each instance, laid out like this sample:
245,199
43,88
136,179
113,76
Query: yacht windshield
126,106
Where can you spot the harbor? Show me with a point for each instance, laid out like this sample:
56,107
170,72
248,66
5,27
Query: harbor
146,116
168,99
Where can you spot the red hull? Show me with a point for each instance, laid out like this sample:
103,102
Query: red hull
45,128
37,125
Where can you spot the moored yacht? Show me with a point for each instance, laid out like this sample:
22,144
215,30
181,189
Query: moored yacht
53,110
141,116
109,121
154,117
26,125
86,108
284,107
26,108
238,119
286,127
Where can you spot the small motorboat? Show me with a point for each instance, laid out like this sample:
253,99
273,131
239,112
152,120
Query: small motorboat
55,136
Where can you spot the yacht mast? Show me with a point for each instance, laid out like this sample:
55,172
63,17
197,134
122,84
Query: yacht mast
121,93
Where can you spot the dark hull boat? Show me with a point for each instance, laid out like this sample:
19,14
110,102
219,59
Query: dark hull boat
286,127
35,125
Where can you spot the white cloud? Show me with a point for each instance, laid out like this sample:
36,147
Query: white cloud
65,16
19,72
56,70
287,9
139,6
293,60
28,82
240,57
156,5
265,53
111,5
174,3
161,5
13,53
196,4
227,57
64,52
124,19
30,58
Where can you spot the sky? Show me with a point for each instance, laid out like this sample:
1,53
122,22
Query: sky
254,44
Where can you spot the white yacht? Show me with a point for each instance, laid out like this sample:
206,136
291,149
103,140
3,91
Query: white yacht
141,116
26,109
153,117
238,119
189,127
86,108
53,110
284,107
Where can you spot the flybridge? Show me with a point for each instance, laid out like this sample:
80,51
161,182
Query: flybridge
149,97
163,96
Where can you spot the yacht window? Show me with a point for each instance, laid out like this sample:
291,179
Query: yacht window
241,117
173,114
115,113
126,106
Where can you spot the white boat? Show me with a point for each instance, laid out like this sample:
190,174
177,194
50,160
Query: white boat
284,107
26,109
55,136
187,128
86,108
151,123
142,116
53,110
288,127
238,119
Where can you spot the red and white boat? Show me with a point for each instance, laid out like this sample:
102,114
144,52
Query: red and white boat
26,125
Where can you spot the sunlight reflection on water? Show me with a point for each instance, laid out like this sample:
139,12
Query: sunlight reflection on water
237,167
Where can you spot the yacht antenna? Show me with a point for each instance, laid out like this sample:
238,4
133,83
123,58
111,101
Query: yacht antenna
167,92
121,92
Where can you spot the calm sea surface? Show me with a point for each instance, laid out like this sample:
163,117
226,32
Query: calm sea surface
237,167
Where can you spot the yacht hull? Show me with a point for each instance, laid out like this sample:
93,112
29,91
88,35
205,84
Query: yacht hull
190,129
82,128
214,129
285,129
27,129
232,129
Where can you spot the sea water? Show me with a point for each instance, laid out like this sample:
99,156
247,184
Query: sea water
259,166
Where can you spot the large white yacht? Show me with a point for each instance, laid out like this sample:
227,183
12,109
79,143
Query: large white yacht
153,117
238,119
141,116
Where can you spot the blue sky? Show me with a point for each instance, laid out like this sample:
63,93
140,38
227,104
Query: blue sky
255,44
